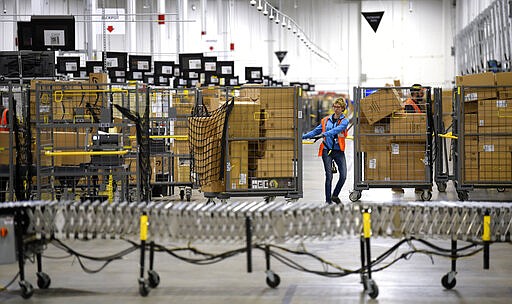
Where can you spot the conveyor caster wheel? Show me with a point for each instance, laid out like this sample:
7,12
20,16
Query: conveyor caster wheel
447,283
26,289
43,280
355,195
273,279
143,288
182,194
441,187
426,195
269,199
373,289
500,189
153,278
463,195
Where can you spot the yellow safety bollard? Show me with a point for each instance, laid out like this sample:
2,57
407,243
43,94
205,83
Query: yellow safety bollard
486,238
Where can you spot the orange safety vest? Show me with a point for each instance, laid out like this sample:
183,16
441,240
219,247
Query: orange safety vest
341,136
411,102
3,121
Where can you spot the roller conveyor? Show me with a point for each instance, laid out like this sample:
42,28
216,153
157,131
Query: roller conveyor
276,221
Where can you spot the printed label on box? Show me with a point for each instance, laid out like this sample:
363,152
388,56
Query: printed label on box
143,65
395,149
488,148
481,122
379,129
471,97
501,103
373,163
243,179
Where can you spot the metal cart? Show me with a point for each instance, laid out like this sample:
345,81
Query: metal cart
392,149
483,127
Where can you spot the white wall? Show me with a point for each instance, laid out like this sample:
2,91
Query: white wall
412,46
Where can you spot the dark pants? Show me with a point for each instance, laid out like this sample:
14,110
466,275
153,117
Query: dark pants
339,158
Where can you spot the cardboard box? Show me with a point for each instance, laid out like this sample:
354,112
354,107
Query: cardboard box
495,144
71,141
216,186
471,175
287,133
377,166
407,162
496,166
239,161
413,125
471,144
182,170
277,98
470,107
504,83
447,107
272,168
470,123
495,112
244,120
472,81
380,104
374,137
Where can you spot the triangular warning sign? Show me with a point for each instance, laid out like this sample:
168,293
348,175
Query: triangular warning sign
373,19
280,55
284,68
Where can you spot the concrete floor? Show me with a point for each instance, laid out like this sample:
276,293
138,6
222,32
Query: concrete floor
416,280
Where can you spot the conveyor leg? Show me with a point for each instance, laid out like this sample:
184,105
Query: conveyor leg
143,285
273,279
248,236
371,287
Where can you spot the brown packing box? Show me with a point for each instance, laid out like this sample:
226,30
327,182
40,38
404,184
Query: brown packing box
274,168
407,162
244,120
277,98
504,83
471,107
71,141
4,148
183,108
181,170
239,160
495,112
495,166
413,125
278,145
470,82
288,133
495,144
470,123
471,174
377,166
374,137
215,186
380,104
181,147
252,92
471,144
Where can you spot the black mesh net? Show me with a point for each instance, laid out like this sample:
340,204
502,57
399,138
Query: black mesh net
207,133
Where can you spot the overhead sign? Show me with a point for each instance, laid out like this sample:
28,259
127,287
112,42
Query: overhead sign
280,55
373,19
284,68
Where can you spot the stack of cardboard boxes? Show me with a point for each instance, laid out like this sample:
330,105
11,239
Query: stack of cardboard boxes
487,104
393,141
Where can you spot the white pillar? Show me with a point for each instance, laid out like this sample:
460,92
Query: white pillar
131,33
162,44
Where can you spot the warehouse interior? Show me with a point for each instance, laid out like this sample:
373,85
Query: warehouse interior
158,150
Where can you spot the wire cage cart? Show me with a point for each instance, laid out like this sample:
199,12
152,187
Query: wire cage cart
483,127
260,154
80,149
15,132
392,147
443,136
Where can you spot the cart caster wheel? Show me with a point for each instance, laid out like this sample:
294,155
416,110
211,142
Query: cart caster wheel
426,195
355,195
446,284
364,280
441,187
273,280
182,194
463,195
143,289
188,196
26,289
43,280
500,189
153,278
373,289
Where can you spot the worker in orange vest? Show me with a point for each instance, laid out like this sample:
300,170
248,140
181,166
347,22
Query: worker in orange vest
333,129
415,103
4,119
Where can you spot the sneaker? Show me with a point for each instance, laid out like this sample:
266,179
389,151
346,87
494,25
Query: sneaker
328,203
336,200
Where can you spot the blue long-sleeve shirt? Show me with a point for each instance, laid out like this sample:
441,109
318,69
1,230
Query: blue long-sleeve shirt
332,128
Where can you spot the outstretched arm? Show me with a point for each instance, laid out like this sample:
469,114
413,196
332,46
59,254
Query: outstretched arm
314,132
